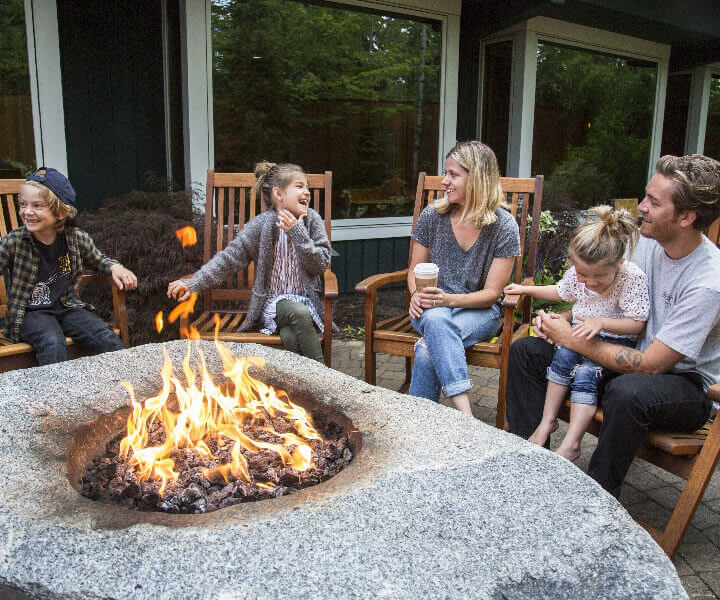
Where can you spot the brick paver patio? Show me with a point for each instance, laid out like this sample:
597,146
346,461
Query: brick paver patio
649,491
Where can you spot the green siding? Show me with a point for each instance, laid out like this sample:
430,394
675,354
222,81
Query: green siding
358,259
112,76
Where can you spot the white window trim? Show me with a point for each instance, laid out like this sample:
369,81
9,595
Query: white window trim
526,36
43,46
197,99
698,108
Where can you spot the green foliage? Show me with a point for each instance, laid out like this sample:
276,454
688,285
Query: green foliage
606,103
13,50
352,333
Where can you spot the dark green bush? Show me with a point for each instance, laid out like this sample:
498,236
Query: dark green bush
138,230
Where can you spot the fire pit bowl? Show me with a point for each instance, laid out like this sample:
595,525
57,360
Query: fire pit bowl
433,504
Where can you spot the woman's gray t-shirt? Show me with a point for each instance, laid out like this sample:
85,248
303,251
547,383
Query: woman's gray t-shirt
465,272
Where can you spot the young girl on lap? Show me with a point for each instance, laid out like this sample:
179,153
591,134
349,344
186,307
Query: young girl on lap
611,304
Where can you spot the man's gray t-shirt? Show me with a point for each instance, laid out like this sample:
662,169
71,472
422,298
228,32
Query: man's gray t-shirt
684,305
465,272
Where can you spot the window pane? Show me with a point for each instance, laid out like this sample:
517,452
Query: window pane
712,129
593,125
17,142
496,99
334,89
677,103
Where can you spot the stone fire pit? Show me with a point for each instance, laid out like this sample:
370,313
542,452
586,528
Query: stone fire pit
434,505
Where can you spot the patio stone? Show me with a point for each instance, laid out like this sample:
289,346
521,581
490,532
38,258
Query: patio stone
435,504
696,588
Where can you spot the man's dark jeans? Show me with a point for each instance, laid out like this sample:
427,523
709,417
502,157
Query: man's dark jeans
631,403
46,331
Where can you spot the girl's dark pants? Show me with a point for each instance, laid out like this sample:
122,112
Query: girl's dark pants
632,404
297,330
46,330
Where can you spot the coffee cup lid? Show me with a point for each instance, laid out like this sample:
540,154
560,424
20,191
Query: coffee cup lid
427,268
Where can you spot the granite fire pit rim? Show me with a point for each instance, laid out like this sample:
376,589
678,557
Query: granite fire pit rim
40,409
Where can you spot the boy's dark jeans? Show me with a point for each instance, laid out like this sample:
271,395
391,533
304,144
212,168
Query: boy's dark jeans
631,403
46,331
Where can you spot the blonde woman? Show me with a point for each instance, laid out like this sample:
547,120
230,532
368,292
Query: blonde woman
474,241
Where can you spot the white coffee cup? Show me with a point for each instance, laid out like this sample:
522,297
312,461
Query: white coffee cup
426,275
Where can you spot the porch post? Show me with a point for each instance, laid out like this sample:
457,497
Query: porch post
196,50
697,110
522,103
43,45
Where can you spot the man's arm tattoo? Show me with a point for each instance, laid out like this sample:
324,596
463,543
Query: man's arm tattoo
627,360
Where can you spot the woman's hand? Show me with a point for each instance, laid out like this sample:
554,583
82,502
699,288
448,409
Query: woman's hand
588,327
178,290
286,219
124,278
415,309
432,297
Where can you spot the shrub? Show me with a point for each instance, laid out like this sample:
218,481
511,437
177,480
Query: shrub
138,229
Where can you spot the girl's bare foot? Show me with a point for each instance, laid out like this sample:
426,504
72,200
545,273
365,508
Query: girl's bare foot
542,433
572,453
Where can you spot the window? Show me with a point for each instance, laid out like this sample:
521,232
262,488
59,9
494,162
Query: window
355,92
17,143
677,105
593,125
712,129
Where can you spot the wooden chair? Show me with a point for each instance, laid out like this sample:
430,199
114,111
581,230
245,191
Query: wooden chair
21,355
396,334
229,204
692,456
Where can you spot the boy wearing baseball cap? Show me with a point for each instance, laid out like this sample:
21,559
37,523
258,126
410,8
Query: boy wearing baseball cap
44,261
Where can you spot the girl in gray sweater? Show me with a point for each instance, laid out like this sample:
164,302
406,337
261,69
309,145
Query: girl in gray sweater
291,250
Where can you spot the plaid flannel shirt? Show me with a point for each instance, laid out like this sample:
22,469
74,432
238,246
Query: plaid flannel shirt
20,260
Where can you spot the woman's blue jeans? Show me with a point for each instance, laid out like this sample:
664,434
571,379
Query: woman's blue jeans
440,353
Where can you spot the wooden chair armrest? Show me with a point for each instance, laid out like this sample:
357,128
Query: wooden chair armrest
372,283
714,393
513,300
118,298
331,287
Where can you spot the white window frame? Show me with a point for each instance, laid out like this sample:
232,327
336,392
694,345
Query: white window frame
197,98
526,37
43,48
698,107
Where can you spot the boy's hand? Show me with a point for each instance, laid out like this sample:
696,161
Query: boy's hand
178,290
124,278
514,288
588,327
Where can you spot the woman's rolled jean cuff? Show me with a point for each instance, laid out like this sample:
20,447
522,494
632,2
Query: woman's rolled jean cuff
459,387
583,398
559,379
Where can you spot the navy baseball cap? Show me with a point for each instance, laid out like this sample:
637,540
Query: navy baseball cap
56,182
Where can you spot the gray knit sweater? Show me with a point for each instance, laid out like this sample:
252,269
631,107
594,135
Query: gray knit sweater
256,242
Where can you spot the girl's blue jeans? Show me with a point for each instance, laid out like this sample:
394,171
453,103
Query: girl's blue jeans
581,374
440,353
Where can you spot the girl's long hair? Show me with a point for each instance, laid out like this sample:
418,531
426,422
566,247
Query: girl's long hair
483,194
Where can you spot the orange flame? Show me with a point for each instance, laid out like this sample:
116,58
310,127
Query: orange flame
183,309
187,236
159,321
208,412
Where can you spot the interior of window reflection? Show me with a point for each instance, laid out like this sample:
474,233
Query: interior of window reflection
17,142
712,129
497,74
593,126
328,88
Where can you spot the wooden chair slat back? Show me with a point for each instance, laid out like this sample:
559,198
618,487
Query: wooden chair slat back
521,192
230,202
9,190
714,232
